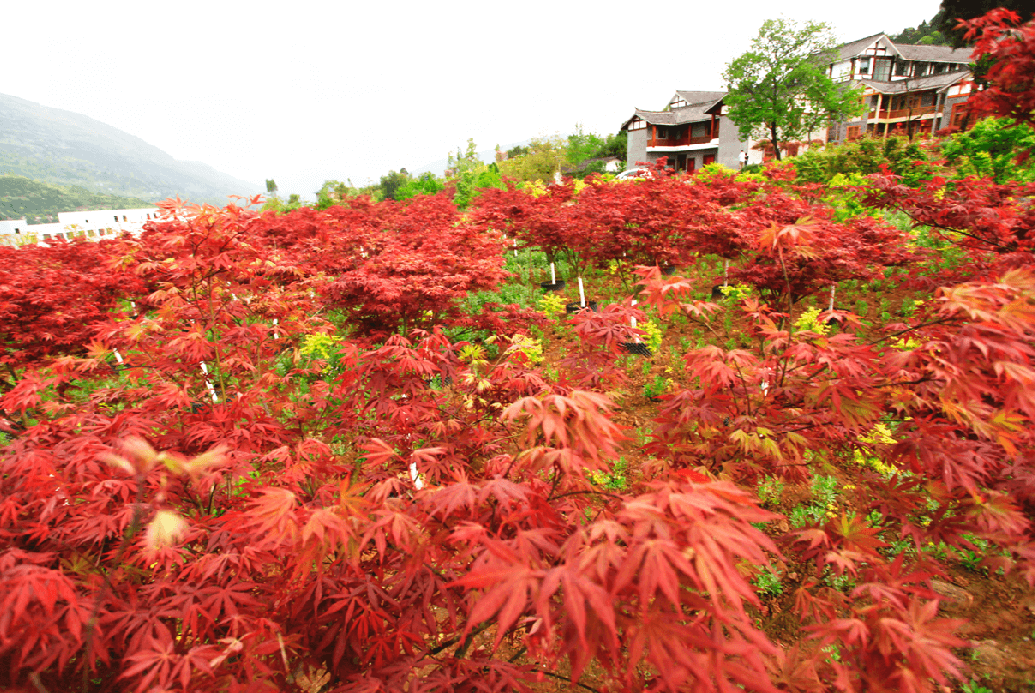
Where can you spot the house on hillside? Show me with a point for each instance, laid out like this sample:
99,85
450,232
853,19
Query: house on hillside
907,88
693,130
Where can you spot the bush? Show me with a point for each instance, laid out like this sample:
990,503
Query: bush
864,156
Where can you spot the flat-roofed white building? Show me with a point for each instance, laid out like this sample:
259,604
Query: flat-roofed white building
98,223
14,226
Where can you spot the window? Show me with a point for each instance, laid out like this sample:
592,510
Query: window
864,66
709,159
959,113
901,68
882,70
123,218
927,98
116,217
662,133
853,132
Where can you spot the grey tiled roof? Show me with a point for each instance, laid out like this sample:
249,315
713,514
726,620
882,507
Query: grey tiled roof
700,97
936,54
931,82
850,50
677,116
698,103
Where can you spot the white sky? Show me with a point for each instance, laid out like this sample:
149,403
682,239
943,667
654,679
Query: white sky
316,91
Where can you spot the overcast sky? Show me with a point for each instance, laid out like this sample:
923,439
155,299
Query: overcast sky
315,91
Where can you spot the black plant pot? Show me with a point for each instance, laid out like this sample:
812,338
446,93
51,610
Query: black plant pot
552,286
717,291
443,382
637,348
668,270
576,307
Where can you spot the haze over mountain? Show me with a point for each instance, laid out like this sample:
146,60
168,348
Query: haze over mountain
66,148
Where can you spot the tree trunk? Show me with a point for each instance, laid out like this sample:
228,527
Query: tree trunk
775,143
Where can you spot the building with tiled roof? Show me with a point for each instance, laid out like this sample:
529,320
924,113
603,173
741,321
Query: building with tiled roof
692,131
908,88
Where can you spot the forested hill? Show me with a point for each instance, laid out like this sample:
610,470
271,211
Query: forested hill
22,198
65,148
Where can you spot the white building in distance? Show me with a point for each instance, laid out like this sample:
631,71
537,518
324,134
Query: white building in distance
96,223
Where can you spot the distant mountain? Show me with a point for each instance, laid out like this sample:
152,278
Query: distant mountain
65,148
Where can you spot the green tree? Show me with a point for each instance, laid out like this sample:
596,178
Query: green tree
582,145
332,192
517,151
952,11
425,184
544,159
465,160
391,182
271,186
781,83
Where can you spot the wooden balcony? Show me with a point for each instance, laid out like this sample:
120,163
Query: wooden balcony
892,114
680,142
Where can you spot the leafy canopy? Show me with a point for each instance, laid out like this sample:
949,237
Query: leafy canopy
780,84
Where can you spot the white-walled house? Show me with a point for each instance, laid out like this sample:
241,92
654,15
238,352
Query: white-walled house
907,88
692,131
97,223
14,226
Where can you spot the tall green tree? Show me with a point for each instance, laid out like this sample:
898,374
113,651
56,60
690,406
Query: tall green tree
780,86
953,11
391,182
582,145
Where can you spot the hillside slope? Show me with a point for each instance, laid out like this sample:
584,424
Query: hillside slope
38,202
65,148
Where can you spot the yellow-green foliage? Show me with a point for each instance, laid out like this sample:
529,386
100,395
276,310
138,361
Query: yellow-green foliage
865,455
320,346
530,348
654,335
809,320
735,293
469,353
905,344
535,188
551,303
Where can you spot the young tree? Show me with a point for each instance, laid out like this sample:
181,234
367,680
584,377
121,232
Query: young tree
781,85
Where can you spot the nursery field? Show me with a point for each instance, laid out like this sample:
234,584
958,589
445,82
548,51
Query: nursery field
755,433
